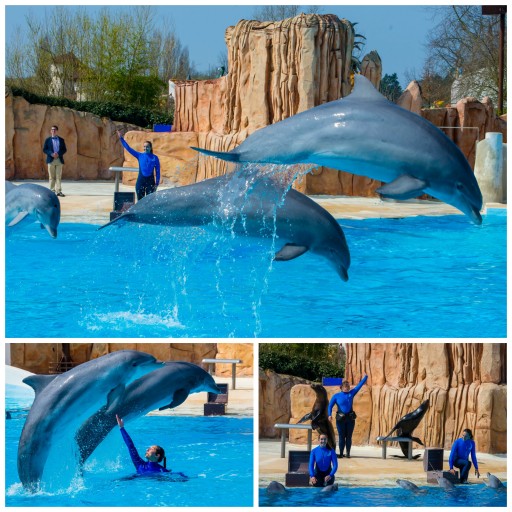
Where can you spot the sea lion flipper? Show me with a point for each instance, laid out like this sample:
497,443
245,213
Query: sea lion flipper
306,417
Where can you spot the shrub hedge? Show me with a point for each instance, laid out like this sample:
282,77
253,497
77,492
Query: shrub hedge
299,366
115,111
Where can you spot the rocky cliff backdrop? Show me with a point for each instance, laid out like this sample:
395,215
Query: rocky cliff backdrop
36,357
276,69
465,383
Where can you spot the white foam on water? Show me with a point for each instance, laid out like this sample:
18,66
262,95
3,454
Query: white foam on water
121,319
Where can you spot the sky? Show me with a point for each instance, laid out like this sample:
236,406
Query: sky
397,32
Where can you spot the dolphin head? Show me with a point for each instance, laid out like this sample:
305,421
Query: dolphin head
452,180
47,210
335,250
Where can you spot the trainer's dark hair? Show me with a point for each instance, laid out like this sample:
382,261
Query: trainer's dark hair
160,452
468,430
55,126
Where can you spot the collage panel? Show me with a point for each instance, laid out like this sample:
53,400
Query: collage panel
353,424
129,424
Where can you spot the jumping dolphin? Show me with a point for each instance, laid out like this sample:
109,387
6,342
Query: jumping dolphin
165,388
254,209
64,401
493,482
32,199
367,135
406,424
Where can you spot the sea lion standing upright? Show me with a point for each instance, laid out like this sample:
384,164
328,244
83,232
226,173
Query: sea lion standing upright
406,424
319,416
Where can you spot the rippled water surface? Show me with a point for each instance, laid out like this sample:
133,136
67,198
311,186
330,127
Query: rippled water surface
413,277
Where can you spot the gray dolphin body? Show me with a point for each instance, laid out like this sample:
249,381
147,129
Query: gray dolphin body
32,199
63,401
365,134
330,488
254,209
276,488
405,484
494,482
165,388
444,482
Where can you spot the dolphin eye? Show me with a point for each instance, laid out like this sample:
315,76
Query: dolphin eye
459,186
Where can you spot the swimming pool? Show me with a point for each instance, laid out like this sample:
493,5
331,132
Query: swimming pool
477,495
411,277
216,453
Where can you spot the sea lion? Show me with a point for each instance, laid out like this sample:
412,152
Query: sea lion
319,416
406,424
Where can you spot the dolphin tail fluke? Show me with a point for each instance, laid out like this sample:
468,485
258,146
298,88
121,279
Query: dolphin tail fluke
228,157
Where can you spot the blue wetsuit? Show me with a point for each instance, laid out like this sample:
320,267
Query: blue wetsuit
142,466
322,462
345,427
459,457
148,163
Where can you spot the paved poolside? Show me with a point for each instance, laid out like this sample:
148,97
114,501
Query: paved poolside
92,201
366,467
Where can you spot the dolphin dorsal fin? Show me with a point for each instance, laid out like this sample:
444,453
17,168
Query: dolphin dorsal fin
38,382
364,90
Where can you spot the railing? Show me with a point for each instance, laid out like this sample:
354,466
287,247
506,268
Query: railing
61,367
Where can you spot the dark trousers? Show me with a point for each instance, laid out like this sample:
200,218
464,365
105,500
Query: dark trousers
145,185
464,466
345,430
320,477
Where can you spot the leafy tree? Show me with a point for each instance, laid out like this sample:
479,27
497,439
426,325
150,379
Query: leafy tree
281,12
464,46
390,87
112,56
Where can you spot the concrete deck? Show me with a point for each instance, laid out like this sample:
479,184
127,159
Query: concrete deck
366,467
92,201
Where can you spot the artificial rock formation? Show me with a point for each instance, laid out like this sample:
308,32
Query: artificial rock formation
36,357
274,400
465,383
91,141
411,98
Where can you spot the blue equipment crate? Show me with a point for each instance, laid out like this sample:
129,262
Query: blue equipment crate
162,127
331,381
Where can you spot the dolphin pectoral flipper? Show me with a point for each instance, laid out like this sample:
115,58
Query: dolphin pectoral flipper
403,187
121,218
17,219
180,395
290,251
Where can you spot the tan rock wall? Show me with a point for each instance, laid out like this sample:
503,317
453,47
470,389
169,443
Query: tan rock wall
465,383
274,401
36,357
91,141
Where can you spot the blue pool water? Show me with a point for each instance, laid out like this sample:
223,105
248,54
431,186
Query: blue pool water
215,452
411,277
478,495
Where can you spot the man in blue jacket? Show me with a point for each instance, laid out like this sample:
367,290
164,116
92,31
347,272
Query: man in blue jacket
54,148
459,456
323,464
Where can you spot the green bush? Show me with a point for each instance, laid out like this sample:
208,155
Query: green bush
143,117
299,366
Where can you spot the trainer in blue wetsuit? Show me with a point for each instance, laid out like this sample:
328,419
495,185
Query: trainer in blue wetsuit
345,417
154,454
149,165
459,456
323,464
